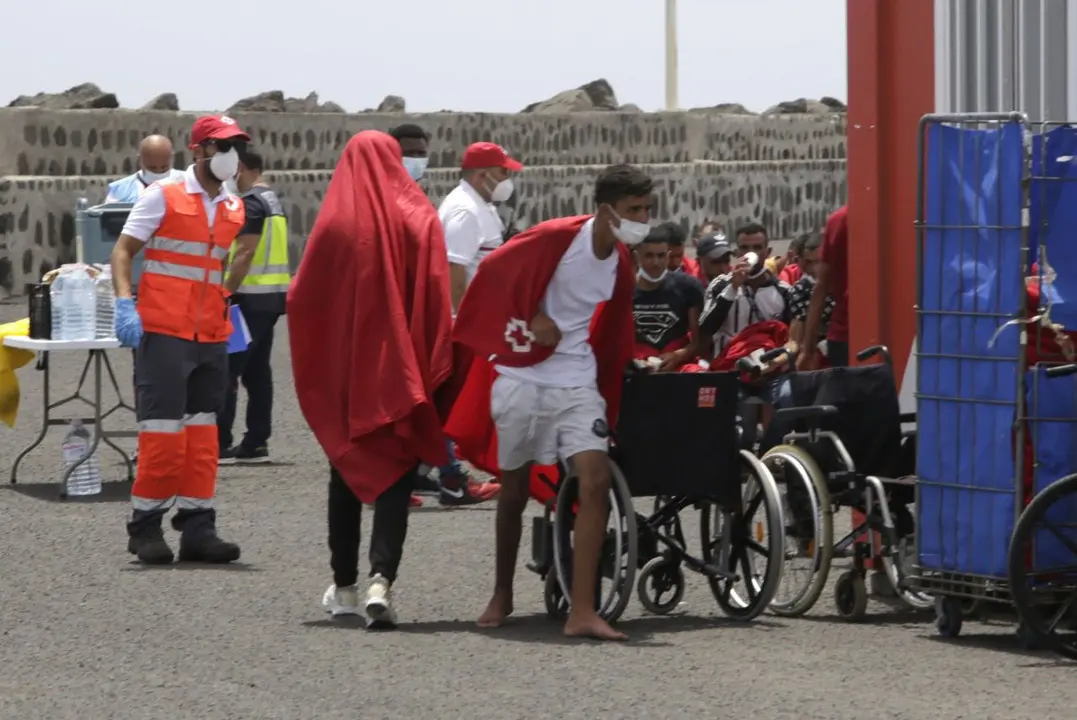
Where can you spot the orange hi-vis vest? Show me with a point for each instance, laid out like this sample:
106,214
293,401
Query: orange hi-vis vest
181,291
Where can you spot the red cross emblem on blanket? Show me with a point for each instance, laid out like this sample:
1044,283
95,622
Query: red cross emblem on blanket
518,336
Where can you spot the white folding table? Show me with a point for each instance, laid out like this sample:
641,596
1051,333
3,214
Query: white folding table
97,357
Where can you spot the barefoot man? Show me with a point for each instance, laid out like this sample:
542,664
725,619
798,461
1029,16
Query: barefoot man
556,375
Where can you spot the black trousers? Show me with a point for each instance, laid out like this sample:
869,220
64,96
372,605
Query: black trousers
386,537
837,353
252,367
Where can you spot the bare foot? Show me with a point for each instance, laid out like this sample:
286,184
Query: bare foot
592,626
500,607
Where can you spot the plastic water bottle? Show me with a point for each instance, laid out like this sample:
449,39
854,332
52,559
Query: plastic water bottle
80,306
56,302
86,480
105,300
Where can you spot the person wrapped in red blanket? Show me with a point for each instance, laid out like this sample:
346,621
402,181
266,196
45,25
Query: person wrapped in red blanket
552,385
370,323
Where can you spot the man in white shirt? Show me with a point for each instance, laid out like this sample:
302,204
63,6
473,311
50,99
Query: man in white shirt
155,160
473,230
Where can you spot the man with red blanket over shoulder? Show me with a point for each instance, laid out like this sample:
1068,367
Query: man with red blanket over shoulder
370,323
556,375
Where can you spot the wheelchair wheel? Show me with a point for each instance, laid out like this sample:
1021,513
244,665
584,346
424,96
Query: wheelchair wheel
660,587
555,600
1046,597
738,539
897,565
619,556
809,528
851,595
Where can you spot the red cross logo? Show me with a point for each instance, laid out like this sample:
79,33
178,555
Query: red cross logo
518,336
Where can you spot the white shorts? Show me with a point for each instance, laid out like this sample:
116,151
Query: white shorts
541,424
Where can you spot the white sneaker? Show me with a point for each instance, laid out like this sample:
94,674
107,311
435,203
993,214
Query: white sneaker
379,604
343,601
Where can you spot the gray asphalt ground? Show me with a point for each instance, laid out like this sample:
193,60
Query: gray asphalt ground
88,634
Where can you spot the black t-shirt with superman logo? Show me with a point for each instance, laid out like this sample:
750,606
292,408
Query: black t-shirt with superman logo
661,314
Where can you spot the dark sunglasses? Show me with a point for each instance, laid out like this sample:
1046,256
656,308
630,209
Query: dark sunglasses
225,145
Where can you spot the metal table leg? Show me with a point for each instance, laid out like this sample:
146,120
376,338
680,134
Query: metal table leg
43,365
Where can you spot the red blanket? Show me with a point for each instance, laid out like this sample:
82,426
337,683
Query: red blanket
370,319
765,336
492,328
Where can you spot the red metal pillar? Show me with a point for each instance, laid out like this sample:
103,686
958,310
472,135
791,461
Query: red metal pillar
891,85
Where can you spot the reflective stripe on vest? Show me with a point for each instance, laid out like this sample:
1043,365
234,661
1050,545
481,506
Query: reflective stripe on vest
269,271
210,269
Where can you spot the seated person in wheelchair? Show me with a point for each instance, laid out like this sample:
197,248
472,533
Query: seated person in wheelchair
666,305
554,309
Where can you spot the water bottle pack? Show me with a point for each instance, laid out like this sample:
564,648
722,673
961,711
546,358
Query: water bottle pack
86,479
83,304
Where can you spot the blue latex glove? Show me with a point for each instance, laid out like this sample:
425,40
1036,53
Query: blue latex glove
128,323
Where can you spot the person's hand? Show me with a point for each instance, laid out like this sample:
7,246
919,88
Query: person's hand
672,360
127,323
808,359
740,273
545,330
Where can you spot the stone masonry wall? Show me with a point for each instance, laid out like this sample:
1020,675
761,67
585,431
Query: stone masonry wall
787,172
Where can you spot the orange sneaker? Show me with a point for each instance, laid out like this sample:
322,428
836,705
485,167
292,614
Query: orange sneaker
471,493
415,501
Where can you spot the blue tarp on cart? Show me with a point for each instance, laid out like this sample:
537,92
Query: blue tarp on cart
1053,209
1052,404
970,285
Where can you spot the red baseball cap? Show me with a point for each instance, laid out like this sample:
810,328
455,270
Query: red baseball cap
487,155
216,127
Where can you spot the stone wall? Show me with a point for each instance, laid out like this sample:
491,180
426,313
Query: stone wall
787,172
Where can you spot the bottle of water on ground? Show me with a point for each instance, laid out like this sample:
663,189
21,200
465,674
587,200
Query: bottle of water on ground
80,305
86,480
106,305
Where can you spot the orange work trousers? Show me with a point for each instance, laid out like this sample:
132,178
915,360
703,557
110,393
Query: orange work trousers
180,385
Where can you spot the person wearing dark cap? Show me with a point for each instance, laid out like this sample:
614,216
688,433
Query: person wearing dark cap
715,256
180,328
415,144
473,230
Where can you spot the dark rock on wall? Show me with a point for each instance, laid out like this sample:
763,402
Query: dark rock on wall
595,95
81,97
804,106
393,103
275,101
164,101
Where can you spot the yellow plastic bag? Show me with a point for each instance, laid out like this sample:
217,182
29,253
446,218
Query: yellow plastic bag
11,359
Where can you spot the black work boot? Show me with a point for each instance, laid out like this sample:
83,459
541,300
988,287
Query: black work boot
147,539
198,538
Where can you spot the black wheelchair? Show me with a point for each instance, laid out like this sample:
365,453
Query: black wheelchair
677,438
843,446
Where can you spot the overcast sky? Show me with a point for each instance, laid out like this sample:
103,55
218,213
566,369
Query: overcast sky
480,55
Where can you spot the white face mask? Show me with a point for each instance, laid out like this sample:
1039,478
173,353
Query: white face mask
151,177
416,166
641,273
224,166
502,191
630,232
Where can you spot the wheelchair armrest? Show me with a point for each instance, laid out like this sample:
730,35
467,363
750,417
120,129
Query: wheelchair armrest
870,352
810,412
907,417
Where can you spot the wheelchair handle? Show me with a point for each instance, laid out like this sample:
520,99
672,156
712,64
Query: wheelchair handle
1062,370
777,352
869,353
754,367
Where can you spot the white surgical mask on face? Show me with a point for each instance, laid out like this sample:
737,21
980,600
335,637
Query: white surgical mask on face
502,191
630,232
416,166
641,273
224,165
151,177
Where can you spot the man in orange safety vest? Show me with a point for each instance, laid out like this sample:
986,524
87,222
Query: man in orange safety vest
180,329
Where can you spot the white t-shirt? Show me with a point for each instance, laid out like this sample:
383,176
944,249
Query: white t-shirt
580,283
472,227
